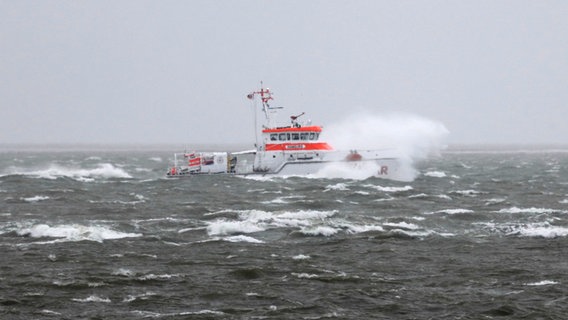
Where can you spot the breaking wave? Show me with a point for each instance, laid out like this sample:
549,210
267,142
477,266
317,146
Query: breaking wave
74,232
103,171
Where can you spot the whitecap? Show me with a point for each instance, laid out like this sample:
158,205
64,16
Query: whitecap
50,312
35,198
402,225
389,189
514,210
251,221
307,214
337,187
416,233
242,238
152,276
284,200
75,232
469,193
420,195
143,296
542,283
224,227
255,215
435,174
543,231
259,177
301,257
149,314
454,211
495,201
104,170
201,312
304,275
319,231
363,228
302,218
124,272
93,298
190,229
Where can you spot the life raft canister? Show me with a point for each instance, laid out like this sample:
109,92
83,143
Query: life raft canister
353,156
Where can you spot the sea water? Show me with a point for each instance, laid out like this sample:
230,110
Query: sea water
478,234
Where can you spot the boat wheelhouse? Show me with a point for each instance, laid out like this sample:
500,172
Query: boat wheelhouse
294,138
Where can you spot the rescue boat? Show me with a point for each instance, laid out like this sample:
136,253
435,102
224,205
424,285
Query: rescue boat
293,149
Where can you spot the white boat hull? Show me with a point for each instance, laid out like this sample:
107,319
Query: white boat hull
370,163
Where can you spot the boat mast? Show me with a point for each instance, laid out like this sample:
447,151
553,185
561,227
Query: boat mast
265,97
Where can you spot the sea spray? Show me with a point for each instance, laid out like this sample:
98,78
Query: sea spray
409,137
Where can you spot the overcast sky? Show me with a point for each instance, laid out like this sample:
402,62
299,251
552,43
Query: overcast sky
179,71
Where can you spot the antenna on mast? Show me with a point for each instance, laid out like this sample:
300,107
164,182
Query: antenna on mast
265,97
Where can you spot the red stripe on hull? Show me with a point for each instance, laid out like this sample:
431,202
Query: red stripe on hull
322,146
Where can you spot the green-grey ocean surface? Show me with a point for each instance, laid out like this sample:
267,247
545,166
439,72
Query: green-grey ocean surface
479,234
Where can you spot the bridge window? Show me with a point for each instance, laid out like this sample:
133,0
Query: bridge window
294,136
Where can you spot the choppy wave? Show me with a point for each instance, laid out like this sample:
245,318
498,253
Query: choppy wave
541,231
532,230
389,188
35,198
74,232
103,171
542,283
515,210
455,211
435,174
242,238
93,298
306,222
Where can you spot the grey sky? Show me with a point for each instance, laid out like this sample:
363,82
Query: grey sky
179,71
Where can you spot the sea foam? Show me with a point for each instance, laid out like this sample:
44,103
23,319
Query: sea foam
93,298
74,232
542,283
251,221
514,210
102,171
543,231
35,198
